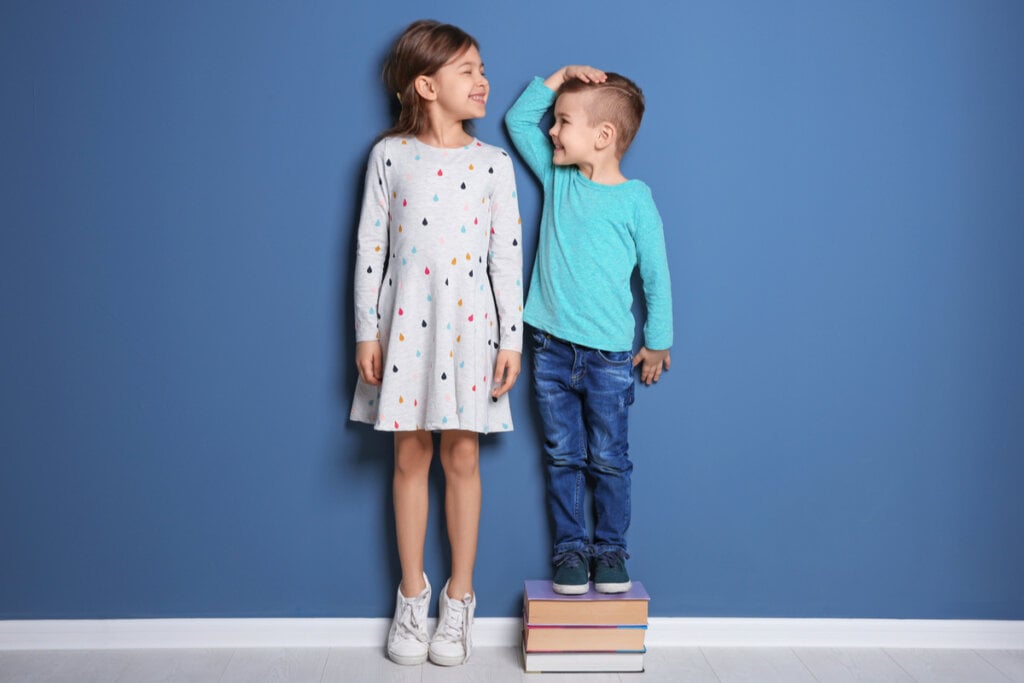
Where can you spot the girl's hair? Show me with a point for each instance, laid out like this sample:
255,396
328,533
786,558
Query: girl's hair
423,48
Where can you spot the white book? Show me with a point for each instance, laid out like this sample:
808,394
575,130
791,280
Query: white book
547,662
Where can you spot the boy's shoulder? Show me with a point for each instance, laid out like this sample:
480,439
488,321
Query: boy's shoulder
639,186
641,192
631,201
631,190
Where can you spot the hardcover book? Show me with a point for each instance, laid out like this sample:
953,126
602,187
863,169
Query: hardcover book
565,662
543,606
584,638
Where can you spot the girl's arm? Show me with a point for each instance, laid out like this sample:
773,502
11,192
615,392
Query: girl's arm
371,254
505,270
369,359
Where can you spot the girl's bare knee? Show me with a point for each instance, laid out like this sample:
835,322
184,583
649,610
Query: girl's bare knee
460,456
413,452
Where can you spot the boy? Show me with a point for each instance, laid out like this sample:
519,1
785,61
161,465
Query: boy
596,228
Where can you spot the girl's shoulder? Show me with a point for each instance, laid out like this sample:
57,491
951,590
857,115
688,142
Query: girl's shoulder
495,156
487,148
400,149
384,144
394,150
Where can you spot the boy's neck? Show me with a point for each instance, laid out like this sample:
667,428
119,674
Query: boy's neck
603,170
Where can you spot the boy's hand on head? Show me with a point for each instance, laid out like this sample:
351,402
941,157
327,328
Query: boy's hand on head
587,74
651,364
506,371
369,359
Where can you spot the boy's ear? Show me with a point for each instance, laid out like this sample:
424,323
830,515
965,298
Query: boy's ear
606,134
425,88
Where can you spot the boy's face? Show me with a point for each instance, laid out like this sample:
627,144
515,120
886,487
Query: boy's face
573,136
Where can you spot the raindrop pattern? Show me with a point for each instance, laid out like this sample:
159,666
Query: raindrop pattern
440,315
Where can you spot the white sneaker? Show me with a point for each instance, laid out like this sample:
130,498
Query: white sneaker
407,639
453,640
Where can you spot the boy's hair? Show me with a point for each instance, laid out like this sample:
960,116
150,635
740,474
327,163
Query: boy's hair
423,48
618,100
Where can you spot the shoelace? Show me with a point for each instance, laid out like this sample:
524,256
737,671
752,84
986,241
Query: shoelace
612,558
571,558
409,623
454,628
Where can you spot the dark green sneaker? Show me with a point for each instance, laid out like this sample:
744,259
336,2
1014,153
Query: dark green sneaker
571,576
610,575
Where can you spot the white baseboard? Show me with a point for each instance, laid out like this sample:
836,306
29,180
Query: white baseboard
841,633
104,634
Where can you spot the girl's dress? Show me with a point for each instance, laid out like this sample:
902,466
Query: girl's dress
439,283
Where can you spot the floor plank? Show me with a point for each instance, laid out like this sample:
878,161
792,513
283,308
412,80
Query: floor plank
947,666
486,664
276,665
673,664
60,666
504,665
367,664
756,665
176,666
1009,662
841,666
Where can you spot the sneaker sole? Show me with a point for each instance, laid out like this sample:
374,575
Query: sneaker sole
613,587
407,660
442,660
570,589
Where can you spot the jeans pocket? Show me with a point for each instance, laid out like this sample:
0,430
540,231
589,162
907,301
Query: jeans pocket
615,357
540,340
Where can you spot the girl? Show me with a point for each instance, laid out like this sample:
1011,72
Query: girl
438,299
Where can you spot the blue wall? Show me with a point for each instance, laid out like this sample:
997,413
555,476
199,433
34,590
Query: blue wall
842,431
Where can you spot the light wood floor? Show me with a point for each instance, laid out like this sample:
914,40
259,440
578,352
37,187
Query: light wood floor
501,664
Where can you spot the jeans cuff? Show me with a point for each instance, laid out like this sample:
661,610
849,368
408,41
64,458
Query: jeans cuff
616,551
563,549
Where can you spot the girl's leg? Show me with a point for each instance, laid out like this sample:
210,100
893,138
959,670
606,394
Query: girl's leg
460,457
413,452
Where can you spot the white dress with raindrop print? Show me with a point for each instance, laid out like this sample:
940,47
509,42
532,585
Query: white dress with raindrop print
439,283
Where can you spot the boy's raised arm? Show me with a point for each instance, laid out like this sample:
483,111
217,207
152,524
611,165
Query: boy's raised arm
524,117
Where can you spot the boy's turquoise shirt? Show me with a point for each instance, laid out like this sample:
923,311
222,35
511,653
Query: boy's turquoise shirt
592,237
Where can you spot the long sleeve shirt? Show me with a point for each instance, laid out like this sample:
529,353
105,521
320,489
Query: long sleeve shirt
592,238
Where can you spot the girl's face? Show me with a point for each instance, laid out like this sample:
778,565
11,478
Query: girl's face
573,137
461,87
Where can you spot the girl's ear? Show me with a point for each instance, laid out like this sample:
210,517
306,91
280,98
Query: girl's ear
606,134
425,88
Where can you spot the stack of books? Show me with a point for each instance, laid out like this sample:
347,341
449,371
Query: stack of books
589,632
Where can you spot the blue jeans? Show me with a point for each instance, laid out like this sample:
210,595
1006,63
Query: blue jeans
584,395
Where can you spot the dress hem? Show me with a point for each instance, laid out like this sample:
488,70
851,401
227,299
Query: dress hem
433,428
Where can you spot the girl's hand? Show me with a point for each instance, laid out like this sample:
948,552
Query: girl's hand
506,371
369,359
652,364
587,74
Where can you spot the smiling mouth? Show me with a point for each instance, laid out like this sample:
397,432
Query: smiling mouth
482,99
